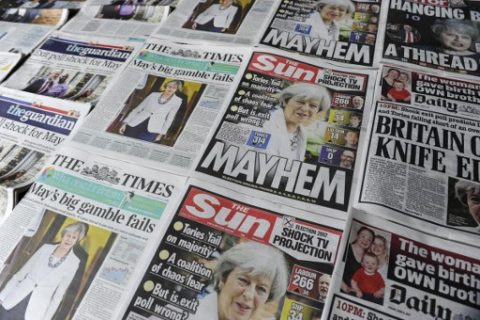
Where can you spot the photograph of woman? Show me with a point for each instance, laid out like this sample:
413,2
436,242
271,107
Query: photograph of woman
457,37
325,21
388,80
467,194
37,289
152,118
298,105
218,17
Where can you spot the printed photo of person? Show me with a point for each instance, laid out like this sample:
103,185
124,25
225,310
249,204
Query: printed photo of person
398,92
325,22
222,16
403,33
18,163
45,277
456,37
130,11
367,283
355,120
464,204
357,102
347,158
322,287
389,77
351,139
158,111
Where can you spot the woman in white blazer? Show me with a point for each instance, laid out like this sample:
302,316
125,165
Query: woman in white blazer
37,289
324,21
217,17
152,118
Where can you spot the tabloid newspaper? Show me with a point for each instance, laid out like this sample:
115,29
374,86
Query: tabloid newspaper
232,256
163,106
239,23
8,61
71,246
73,67
291,132
390,272
32,127
41,4
119,21
423,156
21,30
441,34
339,30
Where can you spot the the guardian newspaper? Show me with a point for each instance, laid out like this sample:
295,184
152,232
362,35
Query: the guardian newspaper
392,272
220,245
162,108
423,156
291,131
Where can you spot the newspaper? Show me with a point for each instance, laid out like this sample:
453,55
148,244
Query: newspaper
391,272
23,29
340,30
423,157
140,2
291,132
73,67
8,61
74,241
41,4
186,85
132,20
208,21
230,256
441,34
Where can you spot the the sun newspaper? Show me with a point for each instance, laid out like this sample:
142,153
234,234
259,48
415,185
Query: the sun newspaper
422,161
219,242
291,132
32,127
163,106
390,272
75,240
73,67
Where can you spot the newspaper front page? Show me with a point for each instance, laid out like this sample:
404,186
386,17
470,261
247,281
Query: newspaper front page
32,127
8,61
291,132
226,22
23,29
441,34
163,106
119,21
71,246
340,30
391,272
232,256
73,67
423,157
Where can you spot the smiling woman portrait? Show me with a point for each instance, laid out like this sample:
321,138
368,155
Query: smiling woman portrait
328,16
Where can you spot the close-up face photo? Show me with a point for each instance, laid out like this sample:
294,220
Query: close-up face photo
455,40
299,109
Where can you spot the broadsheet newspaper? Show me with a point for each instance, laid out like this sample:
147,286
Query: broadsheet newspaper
423,156
227,256
163,106
23,29
119,21
291,132
73,67
209,21
32,127
442,34
391,272
8,61
74,241
340,30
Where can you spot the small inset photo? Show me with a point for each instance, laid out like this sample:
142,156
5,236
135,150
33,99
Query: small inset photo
463,204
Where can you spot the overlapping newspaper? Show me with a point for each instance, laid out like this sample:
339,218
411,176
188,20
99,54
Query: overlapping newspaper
141,2
23,29
163,106
226,255
73,242
8,61
441,34
41,4
73,67
391,272
291,132
339,30
32,127
210,21
117,20
423,157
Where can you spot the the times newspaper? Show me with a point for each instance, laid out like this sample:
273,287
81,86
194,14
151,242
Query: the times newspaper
8,61
291,132
119,21
441,34
236,23
32,127
231,256
162,108
71,246
342,30
73,67
23,29
41,4
391,272
423,156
